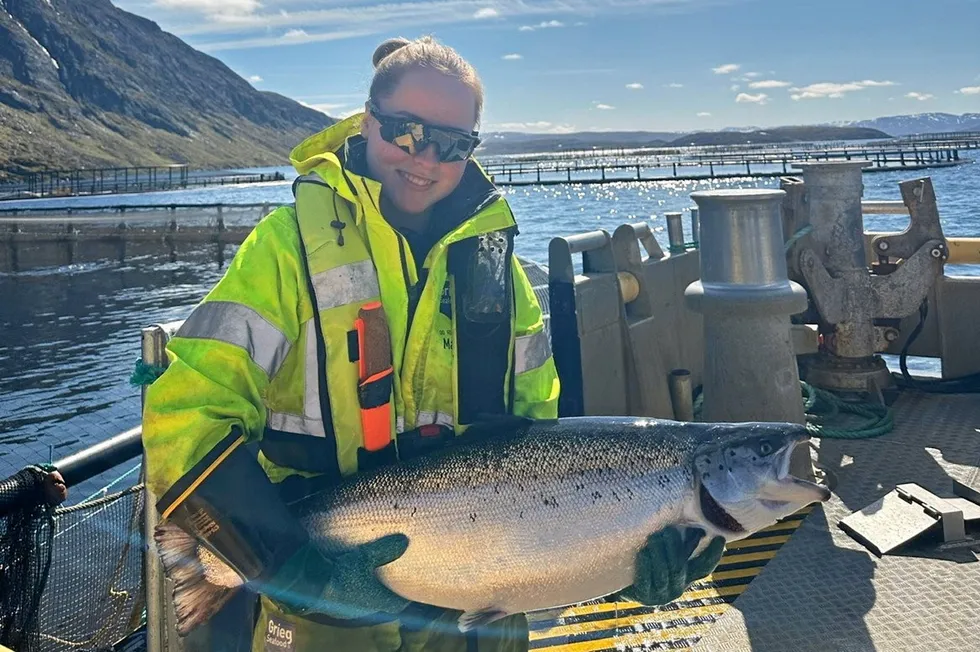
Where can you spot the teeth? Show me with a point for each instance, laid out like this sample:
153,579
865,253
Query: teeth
416,181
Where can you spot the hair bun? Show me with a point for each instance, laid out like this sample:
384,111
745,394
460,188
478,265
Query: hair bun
387,48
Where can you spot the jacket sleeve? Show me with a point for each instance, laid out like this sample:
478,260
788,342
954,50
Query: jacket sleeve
199,414
536,385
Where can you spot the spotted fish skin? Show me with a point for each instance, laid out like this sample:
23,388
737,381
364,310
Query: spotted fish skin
544,516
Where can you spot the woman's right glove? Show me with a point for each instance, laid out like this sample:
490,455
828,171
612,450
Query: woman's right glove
664,567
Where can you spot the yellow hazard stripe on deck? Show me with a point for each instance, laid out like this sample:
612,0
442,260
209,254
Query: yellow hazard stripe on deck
624,626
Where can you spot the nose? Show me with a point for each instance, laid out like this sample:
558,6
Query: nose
428,157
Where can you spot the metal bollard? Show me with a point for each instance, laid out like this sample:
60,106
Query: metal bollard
750,371
695,226
675,232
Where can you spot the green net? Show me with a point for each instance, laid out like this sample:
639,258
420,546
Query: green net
70,578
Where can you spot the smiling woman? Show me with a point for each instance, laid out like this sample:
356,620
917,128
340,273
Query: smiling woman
375,320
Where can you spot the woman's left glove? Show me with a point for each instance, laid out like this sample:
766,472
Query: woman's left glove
664,567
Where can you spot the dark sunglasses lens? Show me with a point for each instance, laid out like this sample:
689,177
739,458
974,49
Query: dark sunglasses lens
413,137
452,147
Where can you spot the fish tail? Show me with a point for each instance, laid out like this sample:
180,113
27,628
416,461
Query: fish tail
203,584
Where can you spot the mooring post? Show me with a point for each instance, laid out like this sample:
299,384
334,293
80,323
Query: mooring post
750,371
675,232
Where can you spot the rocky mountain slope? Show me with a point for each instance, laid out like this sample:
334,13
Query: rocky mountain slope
85,84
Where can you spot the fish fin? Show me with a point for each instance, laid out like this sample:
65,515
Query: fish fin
473,619
203,583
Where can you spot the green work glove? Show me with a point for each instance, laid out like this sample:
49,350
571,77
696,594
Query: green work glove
343,587
664,567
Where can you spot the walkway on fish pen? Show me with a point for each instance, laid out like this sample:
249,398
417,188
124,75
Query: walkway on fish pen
707,166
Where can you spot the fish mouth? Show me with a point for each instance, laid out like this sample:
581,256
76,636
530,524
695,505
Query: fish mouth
788,488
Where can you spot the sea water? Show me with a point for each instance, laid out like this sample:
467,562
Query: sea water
70,336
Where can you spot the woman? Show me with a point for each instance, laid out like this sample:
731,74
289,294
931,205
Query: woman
424,322
380,316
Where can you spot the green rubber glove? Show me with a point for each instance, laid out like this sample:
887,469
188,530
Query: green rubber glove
664,568
344,587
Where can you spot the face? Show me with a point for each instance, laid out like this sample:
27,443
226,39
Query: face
414,183
749,478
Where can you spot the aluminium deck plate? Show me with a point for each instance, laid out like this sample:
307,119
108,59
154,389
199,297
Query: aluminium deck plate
825,592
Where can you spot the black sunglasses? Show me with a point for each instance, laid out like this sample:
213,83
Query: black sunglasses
413,136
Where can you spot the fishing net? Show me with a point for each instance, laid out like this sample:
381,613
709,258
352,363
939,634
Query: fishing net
26,528
70,578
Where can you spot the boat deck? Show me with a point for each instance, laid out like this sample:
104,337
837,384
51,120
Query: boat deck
805,584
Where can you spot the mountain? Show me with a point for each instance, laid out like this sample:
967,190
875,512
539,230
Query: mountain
84,84
779,135
920,123
513,142
522,143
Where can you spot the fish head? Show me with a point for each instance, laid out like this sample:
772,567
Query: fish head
742,472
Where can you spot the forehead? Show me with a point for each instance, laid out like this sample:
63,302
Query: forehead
433,97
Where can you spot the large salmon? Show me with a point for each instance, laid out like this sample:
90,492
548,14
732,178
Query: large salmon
547,514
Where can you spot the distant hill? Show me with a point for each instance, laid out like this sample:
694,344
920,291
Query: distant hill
920,123
779,135
511,142
83,83
522,143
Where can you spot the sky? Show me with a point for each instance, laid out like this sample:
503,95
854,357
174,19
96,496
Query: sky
574,65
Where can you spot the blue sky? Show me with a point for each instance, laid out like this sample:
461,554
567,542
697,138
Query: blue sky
564,65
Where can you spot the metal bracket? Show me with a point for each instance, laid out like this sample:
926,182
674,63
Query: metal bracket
908,512
890,295
924,224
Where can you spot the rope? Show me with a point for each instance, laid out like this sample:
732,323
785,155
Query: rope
822,406
681,248
145,374
796,236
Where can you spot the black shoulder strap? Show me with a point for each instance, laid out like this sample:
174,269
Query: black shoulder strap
483,306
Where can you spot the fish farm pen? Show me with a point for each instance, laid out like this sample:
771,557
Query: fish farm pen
117,180
713,163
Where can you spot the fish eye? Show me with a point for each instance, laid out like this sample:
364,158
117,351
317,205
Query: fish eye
765,448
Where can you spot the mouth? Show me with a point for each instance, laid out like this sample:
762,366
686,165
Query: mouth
790,489
415,181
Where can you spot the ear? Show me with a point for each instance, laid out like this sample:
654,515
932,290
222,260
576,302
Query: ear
365,121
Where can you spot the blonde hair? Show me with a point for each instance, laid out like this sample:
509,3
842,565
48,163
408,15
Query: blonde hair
396,56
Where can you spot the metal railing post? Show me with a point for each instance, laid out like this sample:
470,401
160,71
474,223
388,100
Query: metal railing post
154,353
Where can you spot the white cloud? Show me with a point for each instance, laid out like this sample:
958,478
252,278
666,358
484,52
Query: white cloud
769,83
255,79
914,95
540,126
704,114
635,86
835,90
603,107
297,34
752,75
674,85
245,24
548,24
727,69
734,87
761,98
512,57
213,8
331,109
969,90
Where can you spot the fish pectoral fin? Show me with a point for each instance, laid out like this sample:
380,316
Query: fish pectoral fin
473,619
203,584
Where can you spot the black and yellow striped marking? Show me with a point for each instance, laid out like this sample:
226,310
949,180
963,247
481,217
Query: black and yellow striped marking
621,626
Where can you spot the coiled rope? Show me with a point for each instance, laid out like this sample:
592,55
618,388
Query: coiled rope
822,408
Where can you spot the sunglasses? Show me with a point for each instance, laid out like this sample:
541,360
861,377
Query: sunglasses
413,136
